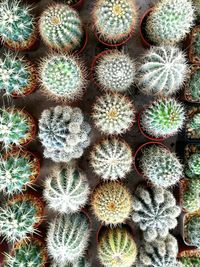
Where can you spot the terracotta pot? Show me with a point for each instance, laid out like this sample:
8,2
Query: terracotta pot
192,57
187,95
78,5
145,41
191,111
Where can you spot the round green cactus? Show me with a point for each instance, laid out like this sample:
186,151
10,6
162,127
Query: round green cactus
192,229
193,166
194,84
190,261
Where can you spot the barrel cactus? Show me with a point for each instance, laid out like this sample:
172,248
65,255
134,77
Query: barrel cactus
191,196
162,71
194,125
117,248
192,169
192,229
63,133
193,84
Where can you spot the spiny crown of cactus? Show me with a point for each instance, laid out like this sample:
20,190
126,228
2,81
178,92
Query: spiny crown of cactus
82,262
66,189
155,211
115,71
162,71
160,166
64,133
191,197
111,159
117,248
114,20
113,114
192,229
193,166
194,84
111,203
179,16
62,77
190,261
61,28
67,237
164,117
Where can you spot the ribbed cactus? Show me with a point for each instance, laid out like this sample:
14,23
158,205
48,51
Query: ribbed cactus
67,238
115,71
155,211
160,166
191,197
192,229
192,169
82,262
63,133
190,261
113,114
194,125
114,21
111,203
61,28
194,84
111,159
62,77
179,16
117,248
66,189
162,71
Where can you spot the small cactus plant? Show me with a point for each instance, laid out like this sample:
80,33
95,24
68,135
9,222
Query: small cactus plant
194,125
194,84
66,190
162,71
64,133
193,166
117,248
191,197
155,211
192,229
111,203
111,159
113,114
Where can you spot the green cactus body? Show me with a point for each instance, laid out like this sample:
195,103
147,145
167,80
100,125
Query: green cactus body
194,84
82,262
190,261
192,229
117,248
193,166
191,200
194,124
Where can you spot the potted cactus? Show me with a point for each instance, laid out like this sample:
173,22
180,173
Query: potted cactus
191,222
189,258
192,161
194,47
191,91
192,126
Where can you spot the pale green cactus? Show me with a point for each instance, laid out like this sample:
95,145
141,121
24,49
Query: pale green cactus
192,169
191,197
192,229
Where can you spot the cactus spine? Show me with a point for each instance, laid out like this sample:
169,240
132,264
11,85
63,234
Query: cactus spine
192,229
193,166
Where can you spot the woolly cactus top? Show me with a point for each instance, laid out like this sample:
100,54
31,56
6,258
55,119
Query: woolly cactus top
192,229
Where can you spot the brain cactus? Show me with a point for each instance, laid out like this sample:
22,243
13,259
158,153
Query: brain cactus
63,133
117,248
194,124
61,28
194,84
192,229
162,71
193,166
111,203
82,262
111,159
155,210
191,197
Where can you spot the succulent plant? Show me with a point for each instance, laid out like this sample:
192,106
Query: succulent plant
194,124
111,203
192,169
82,262
180,19
61,28
67,238
190,261
63,133
117,248
194,84
192,229
66,190
191,197
162,71
111,159
115,71
155,211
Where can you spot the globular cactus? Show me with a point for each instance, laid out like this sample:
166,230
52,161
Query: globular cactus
192,169
66,189
117,248
62,77
63,133
164,117
162,71
192,229
160,166
190,261
191,197
67,238
61,28
111,203
113,114
194,84
180,19
194,124
115,71
82,262
155,211
111,159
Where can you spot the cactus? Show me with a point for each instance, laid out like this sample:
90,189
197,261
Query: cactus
114,21
197,9
61,28
155,211
111,203
67,238
162,71
179,16
164,117
191,197
194,124
194,84
63,133
190,261
160,166
115,71
82,262
17,25
195,43
113,114
117,248
66,190
62,77
111,159
192,229
193,166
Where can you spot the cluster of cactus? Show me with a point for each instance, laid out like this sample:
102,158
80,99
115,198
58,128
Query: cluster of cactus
66,189
192,169
111,159
82,262
155,211
191,197
194,84
162,71
64,133
117,248
190,261
113,114
194,124
192,229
